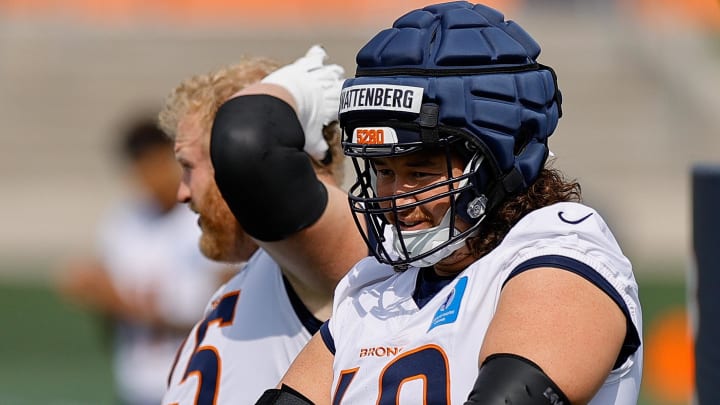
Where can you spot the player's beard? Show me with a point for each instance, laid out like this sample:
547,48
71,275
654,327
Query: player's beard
222,237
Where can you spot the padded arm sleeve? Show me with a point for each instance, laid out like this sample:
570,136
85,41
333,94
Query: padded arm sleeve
261,170
283,396
511,379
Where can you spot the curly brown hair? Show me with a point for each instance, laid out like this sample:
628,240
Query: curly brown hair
550,187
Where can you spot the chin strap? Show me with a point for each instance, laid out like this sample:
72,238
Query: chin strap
419,242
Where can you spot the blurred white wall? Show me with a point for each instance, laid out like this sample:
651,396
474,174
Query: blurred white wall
640,108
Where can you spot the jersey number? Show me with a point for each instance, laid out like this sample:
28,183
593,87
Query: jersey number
205,362
426,363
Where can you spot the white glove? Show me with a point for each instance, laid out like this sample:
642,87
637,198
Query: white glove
316,90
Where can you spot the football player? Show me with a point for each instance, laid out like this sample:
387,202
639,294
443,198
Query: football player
491,282
274,142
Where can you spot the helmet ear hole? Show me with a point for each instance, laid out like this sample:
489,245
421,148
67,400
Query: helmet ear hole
524,135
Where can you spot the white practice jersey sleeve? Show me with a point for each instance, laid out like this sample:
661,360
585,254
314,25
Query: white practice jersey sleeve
253,328
386,347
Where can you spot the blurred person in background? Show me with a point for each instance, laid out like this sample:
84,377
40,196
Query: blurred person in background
264,175
148,275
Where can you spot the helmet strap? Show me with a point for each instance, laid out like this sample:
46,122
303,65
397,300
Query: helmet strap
506,185
428,121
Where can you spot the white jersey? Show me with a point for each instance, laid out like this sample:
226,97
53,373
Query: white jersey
381,339
253,329
153,256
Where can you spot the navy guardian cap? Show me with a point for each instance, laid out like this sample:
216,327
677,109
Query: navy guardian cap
458,77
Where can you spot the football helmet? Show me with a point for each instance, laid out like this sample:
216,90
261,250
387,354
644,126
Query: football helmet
457,78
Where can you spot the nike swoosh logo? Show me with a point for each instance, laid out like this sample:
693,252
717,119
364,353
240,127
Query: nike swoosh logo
570,221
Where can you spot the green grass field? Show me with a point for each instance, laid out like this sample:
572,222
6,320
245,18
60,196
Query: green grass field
53,353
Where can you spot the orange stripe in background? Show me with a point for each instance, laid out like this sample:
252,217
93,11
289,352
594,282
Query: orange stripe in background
704,13
300,12
255,13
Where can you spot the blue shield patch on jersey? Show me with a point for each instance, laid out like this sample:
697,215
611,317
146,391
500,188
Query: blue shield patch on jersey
448,311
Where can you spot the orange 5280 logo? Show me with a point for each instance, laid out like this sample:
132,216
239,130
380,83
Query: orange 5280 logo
370,136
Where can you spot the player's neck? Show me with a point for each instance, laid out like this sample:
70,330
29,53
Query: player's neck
320,305
455,263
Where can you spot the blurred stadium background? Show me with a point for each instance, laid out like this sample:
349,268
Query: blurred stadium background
640,83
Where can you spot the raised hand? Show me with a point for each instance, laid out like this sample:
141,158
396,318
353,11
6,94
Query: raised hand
315,87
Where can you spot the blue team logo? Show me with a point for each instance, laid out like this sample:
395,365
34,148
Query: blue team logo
448,311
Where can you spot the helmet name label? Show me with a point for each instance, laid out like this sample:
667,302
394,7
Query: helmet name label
374,136
381,97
